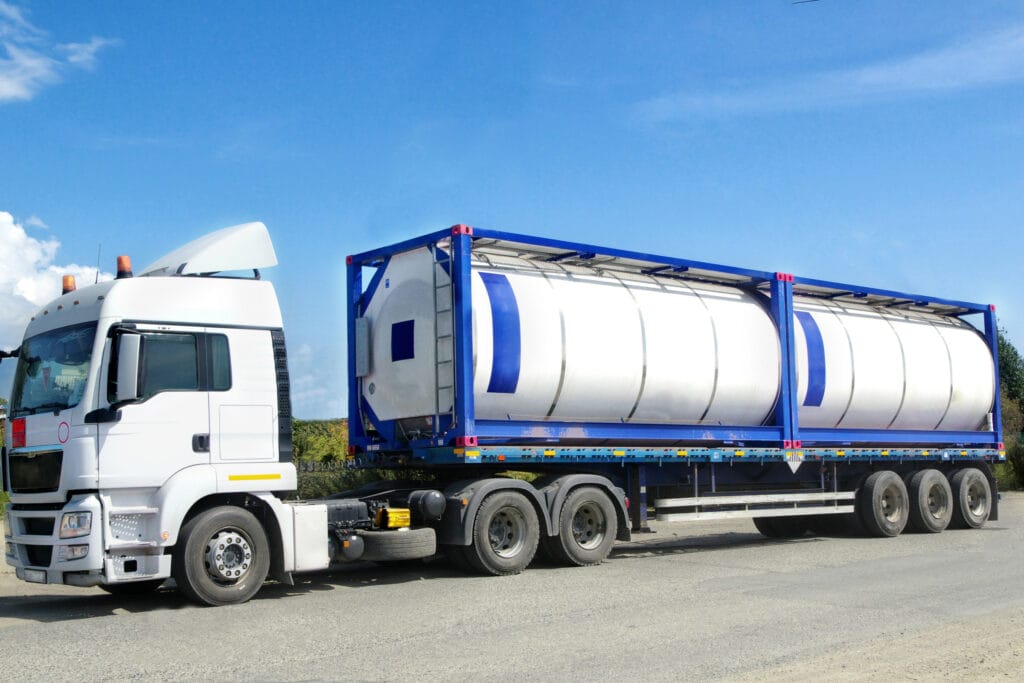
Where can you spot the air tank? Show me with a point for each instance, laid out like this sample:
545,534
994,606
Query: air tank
560,343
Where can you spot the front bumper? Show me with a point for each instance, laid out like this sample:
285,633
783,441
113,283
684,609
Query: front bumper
34,547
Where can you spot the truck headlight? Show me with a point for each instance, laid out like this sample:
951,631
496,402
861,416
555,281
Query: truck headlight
75,524
66,553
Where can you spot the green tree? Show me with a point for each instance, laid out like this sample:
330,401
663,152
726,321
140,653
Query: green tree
1011,379
1011,368
320,440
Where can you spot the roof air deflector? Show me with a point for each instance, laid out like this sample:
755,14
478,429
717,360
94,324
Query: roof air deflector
240,247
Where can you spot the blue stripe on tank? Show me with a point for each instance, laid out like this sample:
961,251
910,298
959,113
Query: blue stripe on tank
815,359
505,329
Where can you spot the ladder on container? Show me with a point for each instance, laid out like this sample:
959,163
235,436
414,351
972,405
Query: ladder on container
444,339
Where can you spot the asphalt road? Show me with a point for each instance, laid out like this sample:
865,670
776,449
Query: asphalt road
701,601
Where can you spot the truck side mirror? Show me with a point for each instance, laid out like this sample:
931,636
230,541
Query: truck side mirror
129,346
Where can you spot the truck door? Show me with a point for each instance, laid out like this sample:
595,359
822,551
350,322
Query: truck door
168,428
243,404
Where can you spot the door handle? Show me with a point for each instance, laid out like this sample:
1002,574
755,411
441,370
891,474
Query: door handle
201,443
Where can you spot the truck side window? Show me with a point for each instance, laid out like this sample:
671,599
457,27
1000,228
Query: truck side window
169,362
220,362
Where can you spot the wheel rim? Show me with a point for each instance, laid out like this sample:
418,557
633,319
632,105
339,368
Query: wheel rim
228,556
507,532
938,502
977,499
589,526
892,504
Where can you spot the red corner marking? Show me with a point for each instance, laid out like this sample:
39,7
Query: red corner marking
462,229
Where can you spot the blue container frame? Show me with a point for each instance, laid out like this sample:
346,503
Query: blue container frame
462,429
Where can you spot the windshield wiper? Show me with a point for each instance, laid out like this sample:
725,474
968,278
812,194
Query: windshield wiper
55,406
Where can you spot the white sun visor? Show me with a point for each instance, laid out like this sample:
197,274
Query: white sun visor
240,247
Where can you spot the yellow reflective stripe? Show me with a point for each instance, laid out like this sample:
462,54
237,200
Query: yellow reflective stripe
252,477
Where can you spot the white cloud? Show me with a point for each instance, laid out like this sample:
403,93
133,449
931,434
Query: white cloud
29,277
982,61
317,390
35,221
84,54
30,60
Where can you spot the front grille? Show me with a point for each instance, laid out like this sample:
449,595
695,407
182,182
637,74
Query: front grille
39,555
38,526
37,472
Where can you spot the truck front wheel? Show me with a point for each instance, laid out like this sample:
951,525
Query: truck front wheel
505,534
222,557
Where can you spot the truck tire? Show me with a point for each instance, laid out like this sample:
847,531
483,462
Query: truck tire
586,529
505,534
398,544
222,557
931,501
782,527
133,588
884,504
972,498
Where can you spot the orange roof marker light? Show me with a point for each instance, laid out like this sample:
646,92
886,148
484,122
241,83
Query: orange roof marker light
124,267
68,284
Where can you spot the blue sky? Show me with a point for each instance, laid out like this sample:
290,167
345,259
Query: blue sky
880,143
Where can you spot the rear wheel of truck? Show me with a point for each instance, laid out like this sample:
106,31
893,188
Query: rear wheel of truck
884,504
972,496
586,529
505,534
782,527
931,501
222,557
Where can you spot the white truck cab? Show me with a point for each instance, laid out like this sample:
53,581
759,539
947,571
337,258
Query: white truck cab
138,401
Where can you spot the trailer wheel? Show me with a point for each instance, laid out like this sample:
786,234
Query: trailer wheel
586,527
133,588
931,501
782,527
222,557
973,498
505,534
398,545
884,504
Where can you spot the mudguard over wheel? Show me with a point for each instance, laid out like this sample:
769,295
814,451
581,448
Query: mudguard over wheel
884,504
586,528
222,557
782,527
505,534
972,496
931,501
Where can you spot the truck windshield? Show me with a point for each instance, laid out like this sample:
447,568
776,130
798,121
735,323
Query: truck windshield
52,369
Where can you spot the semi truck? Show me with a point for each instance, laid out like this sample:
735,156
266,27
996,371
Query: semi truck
550,397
